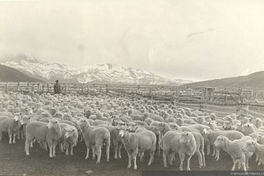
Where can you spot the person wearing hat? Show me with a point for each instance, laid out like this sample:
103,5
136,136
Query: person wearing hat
57,87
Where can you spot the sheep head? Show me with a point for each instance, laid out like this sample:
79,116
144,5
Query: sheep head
220,141
186,138
69,132
249,146
24,119
227,125
53,123
122,131
132,126
16,118
160,126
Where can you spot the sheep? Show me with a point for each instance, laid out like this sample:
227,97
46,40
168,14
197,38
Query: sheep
170,145
174,126
164,128
100,122
136,143
248,128
136,117
188,147
211,135
116,140
156,117
11,126
70,139
148,120
234,149
96,137
170,119
258,149
213,126
155,131
43,132
228,125
257,122
140,123
194,128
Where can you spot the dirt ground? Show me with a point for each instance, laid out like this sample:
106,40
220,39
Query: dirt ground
13,161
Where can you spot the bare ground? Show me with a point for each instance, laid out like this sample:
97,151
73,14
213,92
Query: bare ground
13,161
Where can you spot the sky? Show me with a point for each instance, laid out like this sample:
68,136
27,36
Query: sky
176,39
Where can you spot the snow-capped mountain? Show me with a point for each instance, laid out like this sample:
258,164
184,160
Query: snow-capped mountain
98,73
182,81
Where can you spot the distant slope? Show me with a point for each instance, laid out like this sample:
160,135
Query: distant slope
8,74
254,80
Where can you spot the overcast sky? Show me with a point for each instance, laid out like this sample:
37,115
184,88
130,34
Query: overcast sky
188,39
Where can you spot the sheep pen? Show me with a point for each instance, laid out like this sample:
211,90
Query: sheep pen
13,160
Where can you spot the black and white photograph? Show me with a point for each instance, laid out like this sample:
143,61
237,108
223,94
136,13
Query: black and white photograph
131,87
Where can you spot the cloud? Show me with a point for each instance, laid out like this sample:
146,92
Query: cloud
184,39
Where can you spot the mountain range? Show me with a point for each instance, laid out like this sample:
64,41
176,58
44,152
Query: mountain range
27,68
97,73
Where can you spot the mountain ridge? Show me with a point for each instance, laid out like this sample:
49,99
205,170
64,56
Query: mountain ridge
100,73
8,74
253,80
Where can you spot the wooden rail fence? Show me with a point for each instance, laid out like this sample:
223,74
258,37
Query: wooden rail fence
199,95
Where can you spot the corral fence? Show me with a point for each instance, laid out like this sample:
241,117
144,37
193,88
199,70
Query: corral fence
234,100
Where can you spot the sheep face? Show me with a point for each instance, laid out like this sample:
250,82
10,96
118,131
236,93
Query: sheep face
227,125
16,118
132,126
69,133
53,123
24,119
212,116
174,126
249,146
185,138
220,141
247,128
122,131
160,126
58,115
28,111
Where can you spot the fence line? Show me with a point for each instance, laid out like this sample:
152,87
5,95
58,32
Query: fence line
208,98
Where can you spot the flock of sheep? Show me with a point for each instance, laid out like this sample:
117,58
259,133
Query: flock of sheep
60,122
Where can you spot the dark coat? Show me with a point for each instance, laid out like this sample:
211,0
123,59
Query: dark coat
57,88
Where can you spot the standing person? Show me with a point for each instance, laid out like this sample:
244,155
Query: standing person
57,87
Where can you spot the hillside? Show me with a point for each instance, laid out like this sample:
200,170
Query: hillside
8,74
254,80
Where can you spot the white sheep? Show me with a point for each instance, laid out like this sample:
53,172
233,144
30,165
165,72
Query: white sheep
234,149
138,143
11,126
70,139
211,135
96,137
170,145
258,149
188,147
115,139
248,128
43,132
